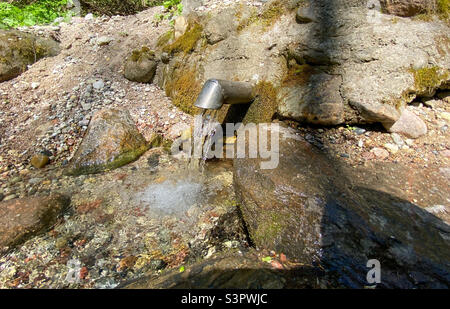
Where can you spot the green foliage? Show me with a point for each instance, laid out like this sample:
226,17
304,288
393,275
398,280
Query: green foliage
39,12
173,7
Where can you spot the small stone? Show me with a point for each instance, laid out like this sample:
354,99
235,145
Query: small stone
391,147
98,84
397,139
444,115
431,103
35,85
359,131
360,143
89,16
409,142
409,125
104,40
9,197
39,160
380,153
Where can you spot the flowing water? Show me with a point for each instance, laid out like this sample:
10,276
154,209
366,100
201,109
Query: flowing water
205,127
189,187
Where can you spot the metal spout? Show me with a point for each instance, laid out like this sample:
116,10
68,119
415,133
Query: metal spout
216,93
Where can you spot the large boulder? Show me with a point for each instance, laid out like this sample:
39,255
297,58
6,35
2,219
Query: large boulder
27,217
140,66
318,211
112,140
407,8
19,49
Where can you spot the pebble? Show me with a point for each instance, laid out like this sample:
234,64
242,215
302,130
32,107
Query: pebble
35,85
380,153
98,84
359,131
391,147
89,16
39,160
104,40
444,115
9,197
397,139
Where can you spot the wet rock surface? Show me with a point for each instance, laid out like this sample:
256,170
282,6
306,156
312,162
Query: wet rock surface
235,271
112,140
125,223
341,217
25,218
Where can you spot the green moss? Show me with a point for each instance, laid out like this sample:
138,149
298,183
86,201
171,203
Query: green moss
441,10
428,79
265,105
186,43
165,38
443,7
121,160
142,54
183,87
298,74
266,18
269,229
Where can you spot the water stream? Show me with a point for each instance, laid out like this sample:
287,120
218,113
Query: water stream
205,127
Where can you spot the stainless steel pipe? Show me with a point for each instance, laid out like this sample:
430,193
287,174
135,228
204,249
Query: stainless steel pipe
216,93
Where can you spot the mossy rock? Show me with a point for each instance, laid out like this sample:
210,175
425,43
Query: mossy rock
270,13
184,87
140,66
429,79
265,105
185,43
112,140
19,49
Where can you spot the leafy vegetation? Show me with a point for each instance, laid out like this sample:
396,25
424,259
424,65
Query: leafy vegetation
38,12
173,7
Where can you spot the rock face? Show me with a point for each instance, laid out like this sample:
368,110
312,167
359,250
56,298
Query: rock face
311,208
407,8
19,49
365,61
140,66
22,218
112,140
